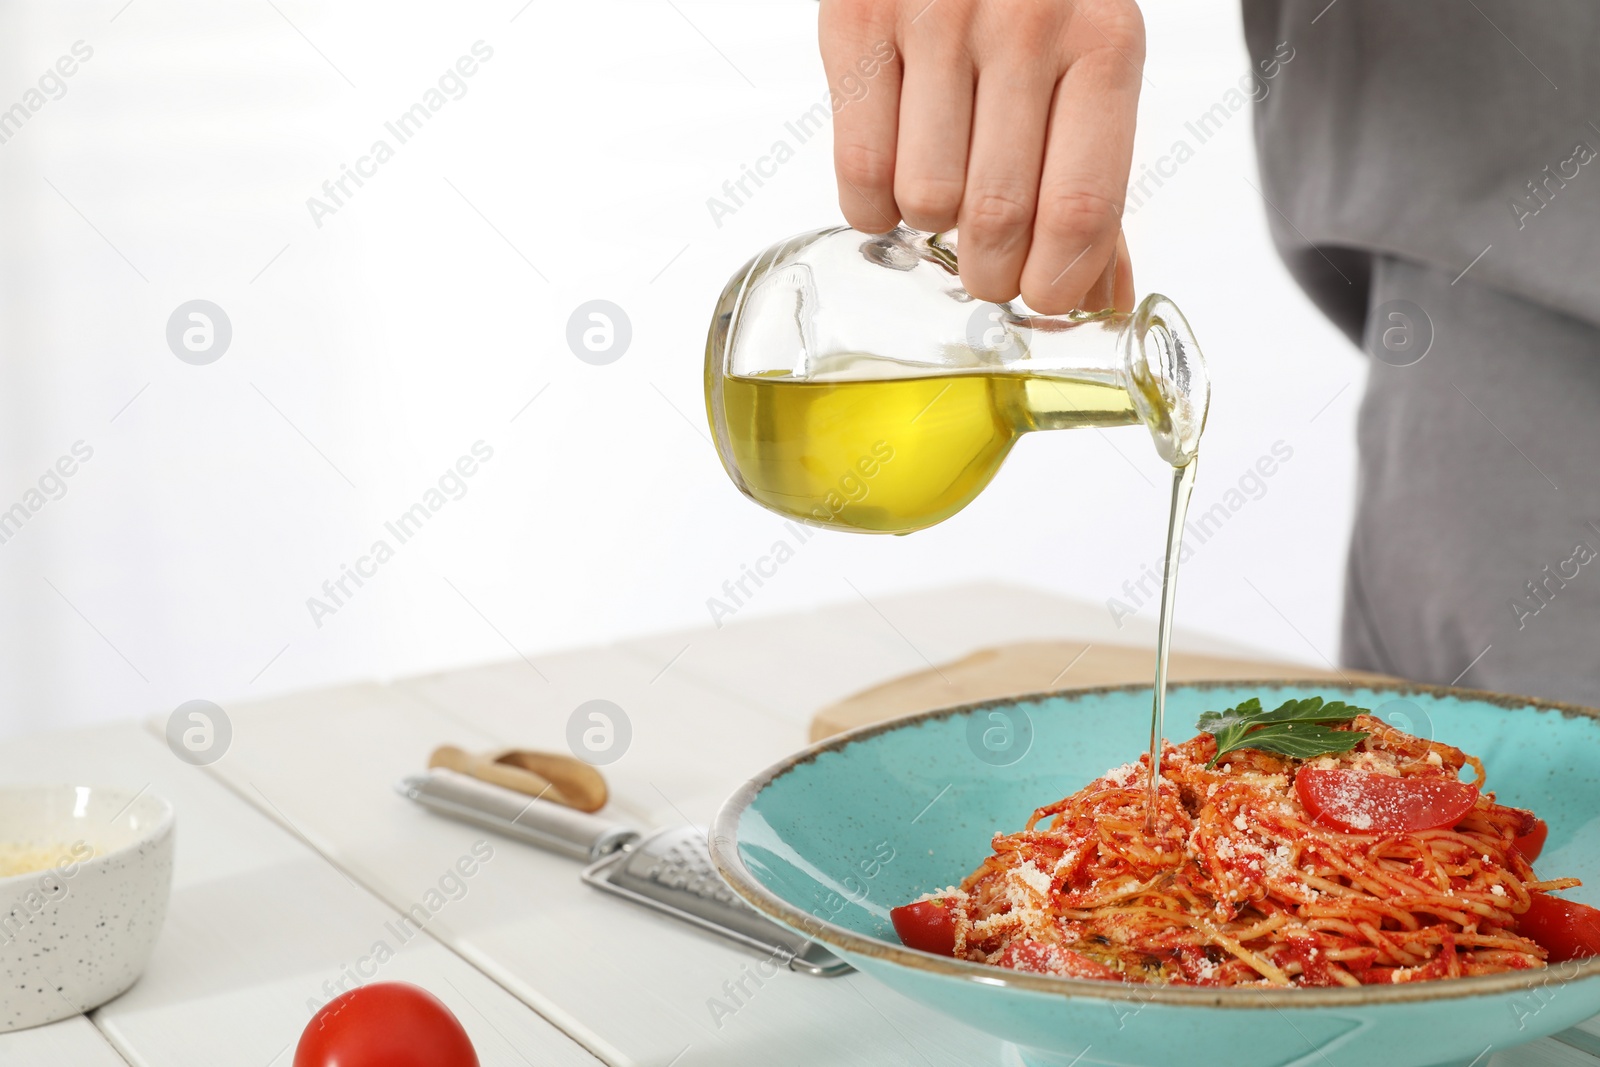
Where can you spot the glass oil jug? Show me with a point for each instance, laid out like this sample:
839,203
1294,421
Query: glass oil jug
852,383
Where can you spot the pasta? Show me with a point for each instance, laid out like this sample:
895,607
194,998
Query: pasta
1261,870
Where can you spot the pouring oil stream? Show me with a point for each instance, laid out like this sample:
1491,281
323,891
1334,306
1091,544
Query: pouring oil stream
1182,490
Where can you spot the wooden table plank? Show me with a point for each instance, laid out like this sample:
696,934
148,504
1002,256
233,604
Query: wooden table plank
73,1042
1546,1052
633,987
257,923
794,664
1585,1036
690,746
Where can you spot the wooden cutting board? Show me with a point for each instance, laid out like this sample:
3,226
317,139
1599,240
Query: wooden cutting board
1035,666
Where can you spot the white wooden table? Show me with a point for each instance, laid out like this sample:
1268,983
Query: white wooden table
294,854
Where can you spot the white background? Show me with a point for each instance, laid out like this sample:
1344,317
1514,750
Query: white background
376,349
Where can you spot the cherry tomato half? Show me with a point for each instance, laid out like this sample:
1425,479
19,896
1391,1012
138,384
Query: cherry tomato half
1364,803
926,925
1567,930
385,1024
1531,843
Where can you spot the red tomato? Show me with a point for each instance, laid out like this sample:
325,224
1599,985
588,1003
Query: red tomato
385,1024
1025,954
925,925
1363,803
1531,843
1567,930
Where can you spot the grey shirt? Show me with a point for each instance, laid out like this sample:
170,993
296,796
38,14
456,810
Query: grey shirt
1441,154
1434,130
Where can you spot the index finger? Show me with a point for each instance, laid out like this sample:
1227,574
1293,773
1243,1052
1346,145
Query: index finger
864,71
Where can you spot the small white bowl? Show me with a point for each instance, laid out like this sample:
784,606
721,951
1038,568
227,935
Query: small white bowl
80,931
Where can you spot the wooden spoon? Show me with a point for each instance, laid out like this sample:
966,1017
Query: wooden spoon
563,779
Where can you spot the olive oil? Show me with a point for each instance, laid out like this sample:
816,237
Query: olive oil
893,454
1182,491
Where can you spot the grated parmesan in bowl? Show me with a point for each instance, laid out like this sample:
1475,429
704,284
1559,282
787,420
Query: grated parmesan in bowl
18,859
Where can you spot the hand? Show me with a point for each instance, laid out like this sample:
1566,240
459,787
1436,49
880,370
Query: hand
1012,119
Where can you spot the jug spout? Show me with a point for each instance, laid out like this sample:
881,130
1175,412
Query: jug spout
1169,376
1145,363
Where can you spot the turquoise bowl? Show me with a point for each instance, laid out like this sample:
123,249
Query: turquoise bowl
829,840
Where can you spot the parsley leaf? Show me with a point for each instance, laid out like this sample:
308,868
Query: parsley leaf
1296,728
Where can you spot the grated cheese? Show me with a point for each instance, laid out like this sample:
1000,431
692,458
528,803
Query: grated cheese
1031,876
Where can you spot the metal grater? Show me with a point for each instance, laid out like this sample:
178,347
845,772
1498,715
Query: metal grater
668,871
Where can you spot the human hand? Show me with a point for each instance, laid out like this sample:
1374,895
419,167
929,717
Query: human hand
1012,119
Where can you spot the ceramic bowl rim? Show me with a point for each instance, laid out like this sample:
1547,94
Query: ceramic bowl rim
161,827
725,857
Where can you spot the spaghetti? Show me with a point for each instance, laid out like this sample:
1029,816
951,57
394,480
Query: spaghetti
1250,877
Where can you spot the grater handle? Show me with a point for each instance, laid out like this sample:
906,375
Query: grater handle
548,825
